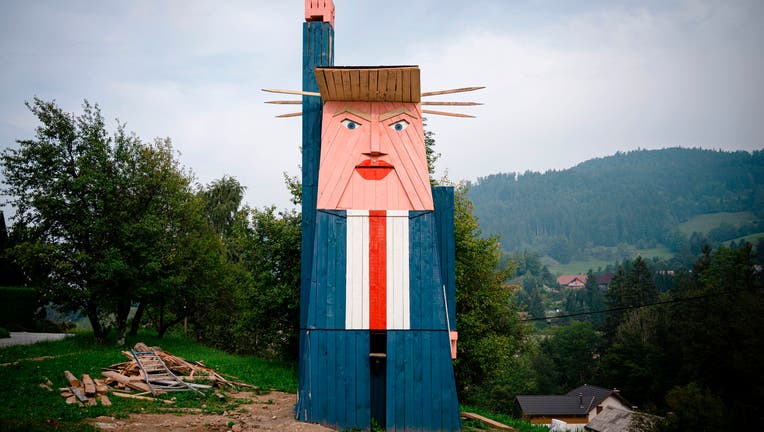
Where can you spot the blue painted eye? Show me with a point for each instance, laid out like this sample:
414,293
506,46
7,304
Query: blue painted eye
399,125
350,124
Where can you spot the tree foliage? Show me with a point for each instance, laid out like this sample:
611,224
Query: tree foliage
488,370
636,198
103,214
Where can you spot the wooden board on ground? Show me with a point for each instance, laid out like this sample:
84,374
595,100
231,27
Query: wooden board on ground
487,421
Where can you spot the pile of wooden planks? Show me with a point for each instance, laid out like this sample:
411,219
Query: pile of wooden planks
127,380
84,392
126,374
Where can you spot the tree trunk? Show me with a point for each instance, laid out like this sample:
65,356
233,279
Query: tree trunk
123,310
136,323
98,330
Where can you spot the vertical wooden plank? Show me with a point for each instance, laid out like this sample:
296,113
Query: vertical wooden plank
341,260
377,270
400,371
349,375
346,91
330,85
413,388
338,87
416,92
421,385
429,380
406,85
373,84
398,299
444,218
399,86
315,376
355,85
316,46
333,338
390,91
415,270
381,84
326,387
364,85
363,380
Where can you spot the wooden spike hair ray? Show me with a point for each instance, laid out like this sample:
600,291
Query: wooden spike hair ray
444,113
450,91
292,92
284,102
295,114
452,103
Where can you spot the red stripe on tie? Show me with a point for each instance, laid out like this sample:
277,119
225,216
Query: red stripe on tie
377,270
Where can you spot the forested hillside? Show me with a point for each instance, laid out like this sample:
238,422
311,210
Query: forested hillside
639,198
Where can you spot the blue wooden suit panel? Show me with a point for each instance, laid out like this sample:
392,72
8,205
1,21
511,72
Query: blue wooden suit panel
318,50
420,375
327,280
443,197
336,391
326,300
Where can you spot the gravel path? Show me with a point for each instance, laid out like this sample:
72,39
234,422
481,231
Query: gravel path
24,338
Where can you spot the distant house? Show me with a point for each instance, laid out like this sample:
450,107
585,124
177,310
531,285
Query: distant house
576,281
577,408
603,280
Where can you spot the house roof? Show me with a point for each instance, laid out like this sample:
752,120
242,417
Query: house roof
610,420
567,279
613,419
604,278
553,405
590,392
578,401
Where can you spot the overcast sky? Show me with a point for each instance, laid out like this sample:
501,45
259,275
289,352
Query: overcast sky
566,81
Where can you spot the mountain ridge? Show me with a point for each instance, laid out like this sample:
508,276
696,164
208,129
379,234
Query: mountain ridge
637,197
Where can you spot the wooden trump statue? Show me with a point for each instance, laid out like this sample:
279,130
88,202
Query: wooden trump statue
378,320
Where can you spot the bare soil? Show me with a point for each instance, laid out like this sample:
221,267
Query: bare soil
267,412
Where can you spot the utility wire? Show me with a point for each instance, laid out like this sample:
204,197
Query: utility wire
623,308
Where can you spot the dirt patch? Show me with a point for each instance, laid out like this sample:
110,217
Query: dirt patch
268,412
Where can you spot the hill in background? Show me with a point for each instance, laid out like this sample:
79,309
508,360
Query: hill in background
672,200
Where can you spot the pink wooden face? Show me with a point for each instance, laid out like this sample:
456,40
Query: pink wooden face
373,157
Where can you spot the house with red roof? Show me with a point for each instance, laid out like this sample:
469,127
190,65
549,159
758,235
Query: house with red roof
575,281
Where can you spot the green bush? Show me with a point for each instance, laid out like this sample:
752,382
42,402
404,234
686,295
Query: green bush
4,333
17,307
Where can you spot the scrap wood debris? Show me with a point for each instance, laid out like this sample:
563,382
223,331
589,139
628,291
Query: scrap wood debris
122,379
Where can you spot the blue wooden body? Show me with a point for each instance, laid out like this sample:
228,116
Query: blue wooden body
334,362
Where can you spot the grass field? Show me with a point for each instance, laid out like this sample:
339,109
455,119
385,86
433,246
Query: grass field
707,222
750,238
29,407
582,266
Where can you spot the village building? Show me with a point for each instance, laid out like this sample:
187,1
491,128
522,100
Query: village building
576,408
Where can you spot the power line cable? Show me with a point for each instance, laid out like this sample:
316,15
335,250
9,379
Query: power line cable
623,308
